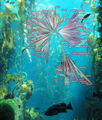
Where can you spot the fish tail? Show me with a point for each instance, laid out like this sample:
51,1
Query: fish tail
69,106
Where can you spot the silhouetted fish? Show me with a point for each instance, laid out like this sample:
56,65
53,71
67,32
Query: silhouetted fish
97,94
12,2
87,15
23,49
37,108
7,1
58,108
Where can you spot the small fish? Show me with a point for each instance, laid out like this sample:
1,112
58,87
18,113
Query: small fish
7,1
37,108
23,49
97,94
12,2
87,15
58,108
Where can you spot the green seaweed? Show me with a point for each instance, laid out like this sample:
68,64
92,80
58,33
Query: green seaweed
6,48
30,114
93,105
21,6
11,105
23,90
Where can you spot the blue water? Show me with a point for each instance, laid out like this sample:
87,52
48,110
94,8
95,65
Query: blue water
56,92
47,91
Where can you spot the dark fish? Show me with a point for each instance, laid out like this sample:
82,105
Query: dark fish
12,2
7,1
9,96
37,108
58,108
23,49
87,15
97,94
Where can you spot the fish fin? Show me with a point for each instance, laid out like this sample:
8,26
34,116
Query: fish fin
69,106
63,104
82,20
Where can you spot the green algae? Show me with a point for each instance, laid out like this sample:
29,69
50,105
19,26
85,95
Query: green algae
12,105
93,105
6,48
24,90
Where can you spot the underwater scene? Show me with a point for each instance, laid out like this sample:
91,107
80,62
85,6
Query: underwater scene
50,59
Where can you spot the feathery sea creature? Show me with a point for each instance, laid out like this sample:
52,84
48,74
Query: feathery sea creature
73,31
69,70
41,27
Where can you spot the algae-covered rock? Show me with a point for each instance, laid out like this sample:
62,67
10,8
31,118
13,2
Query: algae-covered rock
11,109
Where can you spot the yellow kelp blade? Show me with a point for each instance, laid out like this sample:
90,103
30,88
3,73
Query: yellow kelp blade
2,14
